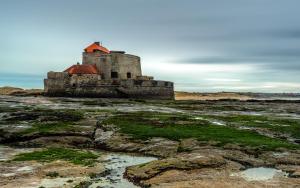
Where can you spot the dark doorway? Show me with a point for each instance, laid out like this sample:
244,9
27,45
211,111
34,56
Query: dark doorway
128,75
114,74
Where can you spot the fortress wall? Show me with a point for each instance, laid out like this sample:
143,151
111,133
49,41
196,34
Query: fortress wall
121,92
149,89
90,86
103,64
116,62
55,82
84,79
102,61
124,63
92,58
144,77
57,75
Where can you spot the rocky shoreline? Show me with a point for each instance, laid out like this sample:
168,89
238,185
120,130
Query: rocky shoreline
41,122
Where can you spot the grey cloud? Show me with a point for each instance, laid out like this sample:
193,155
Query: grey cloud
285,33
268,63
280,52
265,33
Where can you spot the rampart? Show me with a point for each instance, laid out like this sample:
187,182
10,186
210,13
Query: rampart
91,85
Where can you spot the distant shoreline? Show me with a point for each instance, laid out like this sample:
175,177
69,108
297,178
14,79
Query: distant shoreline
179,95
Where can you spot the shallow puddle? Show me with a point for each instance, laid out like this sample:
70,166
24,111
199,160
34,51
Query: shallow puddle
213,121
261,174
218,123
116,165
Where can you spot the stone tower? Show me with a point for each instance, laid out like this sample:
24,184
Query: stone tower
112,64
105,73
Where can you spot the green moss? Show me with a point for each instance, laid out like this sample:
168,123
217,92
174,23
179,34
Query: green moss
181,149
42,114
52,174
138,100
4,109
275,124
46,128
61,115
141,126
52,154
84,184
95,103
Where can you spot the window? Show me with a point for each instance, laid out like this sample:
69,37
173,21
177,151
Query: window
114,74
128,75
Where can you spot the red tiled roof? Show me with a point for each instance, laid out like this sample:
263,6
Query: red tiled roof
82,69
96,46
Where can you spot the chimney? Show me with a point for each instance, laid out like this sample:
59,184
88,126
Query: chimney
98,43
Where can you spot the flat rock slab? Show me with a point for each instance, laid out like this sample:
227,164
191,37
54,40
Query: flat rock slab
180,162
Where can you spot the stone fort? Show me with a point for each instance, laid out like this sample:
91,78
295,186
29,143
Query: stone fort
105,73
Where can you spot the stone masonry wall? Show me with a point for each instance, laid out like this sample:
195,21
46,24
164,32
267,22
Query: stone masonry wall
61,84
125,63
56,82
116,62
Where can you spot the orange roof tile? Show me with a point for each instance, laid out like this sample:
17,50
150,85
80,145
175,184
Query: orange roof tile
96,46
82,69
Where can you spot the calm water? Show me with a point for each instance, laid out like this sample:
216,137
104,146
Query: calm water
22,80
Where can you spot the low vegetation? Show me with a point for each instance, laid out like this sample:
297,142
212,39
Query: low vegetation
275,124
8,109
52,174
41,114
43,121
51,154
48,128
95,103
60,115
142,125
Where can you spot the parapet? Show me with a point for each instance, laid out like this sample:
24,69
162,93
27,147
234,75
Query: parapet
144,77
57,75
117,52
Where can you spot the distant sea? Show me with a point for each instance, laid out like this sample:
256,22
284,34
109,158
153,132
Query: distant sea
31,81
26,81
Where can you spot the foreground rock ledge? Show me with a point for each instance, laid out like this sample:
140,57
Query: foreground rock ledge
180,162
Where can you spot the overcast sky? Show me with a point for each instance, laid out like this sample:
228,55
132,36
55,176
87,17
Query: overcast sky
201,45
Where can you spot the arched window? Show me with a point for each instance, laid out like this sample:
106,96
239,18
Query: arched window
128,75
